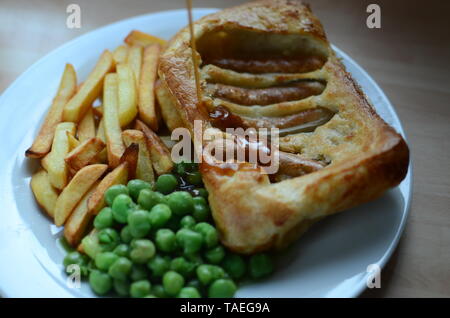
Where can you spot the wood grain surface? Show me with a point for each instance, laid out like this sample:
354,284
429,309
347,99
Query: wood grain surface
409,57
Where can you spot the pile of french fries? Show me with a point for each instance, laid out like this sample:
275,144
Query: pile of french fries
100,133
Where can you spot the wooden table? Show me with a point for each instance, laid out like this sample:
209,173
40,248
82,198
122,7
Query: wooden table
408,57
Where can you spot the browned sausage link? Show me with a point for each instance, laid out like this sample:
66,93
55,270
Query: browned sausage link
292,165
265,96
304,121
269,65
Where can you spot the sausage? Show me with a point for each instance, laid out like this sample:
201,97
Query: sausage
292,165
265,96
269,65
306,120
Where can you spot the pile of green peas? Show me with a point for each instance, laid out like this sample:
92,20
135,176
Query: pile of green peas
156,240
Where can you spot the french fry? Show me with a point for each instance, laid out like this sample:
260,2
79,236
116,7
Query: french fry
44,192
127,94
111,124
86,127
67,88
135,61
144,169
159,153
101,131
79,104
143,39
103,155
131,156
54,162
80,219
75,190
84,154
147,109
120,54
73,142
117,176
168,111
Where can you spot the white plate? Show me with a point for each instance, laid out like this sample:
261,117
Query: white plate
329,261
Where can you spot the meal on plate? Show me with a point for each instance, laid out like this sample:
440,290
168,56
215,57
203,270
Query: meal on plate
139,223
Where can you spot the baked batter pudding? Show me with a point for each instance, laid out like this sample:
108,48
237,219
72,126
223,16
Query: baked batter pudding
268,64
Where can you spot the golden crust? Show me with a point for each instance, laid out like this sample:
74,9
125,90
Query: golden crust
365,155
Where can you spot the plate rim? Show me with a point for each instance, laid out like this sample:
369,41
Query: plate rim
408,178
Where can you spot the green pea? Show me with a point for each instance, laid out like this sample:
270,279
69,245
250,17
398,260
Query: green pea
207,273
215,255
172,282
200,200
222,288
159,215
113,192
158,291
140,288
209,233
189,292
122,250
104,219
234,265
189,240
75,258
120,268
180,168
194,178
184,167
138,272
122,287
158,265
108,239
166,183
139,223
182,266
91,245
142,250
260,265
136,186
203,193
101,283
147,198
125,234
104,260
165,240
180,202
187,222
201,212
120,208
